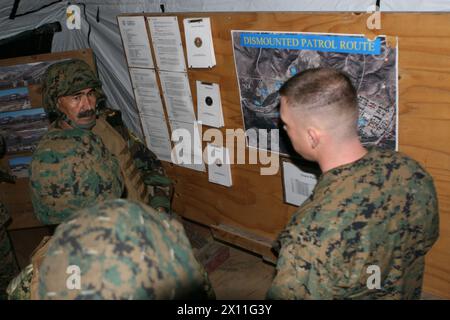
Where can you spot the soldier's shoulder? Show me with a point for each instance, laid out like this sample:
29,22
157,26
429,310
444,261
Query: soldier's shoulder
45,140
397,158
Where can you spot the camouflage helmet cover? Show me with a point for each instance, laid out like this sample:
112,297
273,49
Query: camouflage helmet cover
70,170
67,78
124,250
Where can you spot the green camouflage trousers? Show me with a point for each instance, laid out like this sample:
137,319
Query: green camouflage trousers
8,264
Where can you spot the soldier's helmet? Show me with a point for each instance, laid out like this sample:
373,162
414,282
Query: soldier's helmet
121,250
70,170
66,78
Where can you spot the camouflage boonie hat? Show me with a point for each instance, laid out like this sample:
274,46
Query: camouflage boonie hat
67,78
124,250
71,170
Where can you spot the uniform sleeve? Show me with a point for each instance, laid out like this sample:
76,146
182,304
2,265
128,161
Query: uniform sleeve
303,272
431,216
153,173
147,162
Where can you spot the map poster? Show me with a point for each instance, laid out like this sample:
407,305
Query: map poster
265,60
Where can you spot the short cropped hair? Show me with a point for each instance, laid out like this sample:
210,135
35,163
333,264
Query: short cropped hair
315,89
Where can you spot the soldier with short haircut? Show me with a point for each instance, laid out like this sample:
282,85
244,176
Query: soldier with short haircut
73,94
120,250
370,207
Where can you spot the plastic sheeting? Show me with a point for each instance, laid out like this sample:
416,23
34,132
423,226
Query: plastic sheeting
267,5
9,28
415,5
106,43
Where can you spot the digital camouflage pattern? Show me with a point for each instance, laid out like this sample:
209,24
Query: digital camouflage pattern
125,250
8,264
153,173
19,287
380,210
69,77
71,169
24,285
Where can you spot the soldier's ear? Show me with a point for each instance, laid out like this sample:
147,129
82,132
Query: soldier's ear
58,103
313,137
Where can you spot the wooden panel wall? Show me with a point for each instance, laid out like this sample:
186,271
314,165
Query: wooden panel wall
16,197
252,212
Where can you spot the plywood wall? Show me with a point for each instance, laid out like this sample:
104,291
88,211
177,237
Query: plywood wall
252,212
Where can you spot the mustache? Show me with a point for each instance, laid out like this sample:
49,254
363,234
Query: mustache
86,114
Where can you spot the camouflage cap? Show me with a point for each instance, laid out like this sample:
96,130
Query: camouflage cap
124,250
67,78
70,170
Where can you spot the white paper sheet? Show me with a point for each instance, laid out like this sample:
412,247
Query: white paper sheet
199,43
298,185
157,136
160,147
219,170
166,39
154,126
135,41
177,95
187,145
209,105
146,91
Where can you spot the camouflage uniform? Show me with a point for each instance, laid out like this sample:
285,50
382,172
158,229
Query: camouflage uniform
8,264
380,210
71,169
124,250
151,183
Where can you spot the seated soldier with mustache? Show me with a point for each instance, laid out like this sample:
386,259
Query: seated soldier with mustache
72,93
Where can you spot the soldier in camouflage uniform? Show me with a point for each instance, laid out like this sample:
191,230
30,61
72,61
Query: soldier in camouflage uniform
72,93
372,213
124,250
8,264
70,169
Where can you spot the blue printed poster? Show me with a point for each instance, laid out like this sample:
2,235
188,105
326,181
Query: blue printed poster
265,60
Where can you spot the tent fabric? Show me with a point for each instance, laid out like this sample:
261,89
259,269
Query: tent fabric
105,41
104,36
267,5
415,5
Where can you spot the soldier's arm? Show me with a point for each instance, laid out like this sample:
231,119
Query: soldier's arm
301,274
431,216
147,162
153,173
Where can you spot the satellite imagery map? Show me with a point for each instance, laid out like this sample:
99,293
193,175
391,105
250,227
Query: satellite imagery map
261,71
